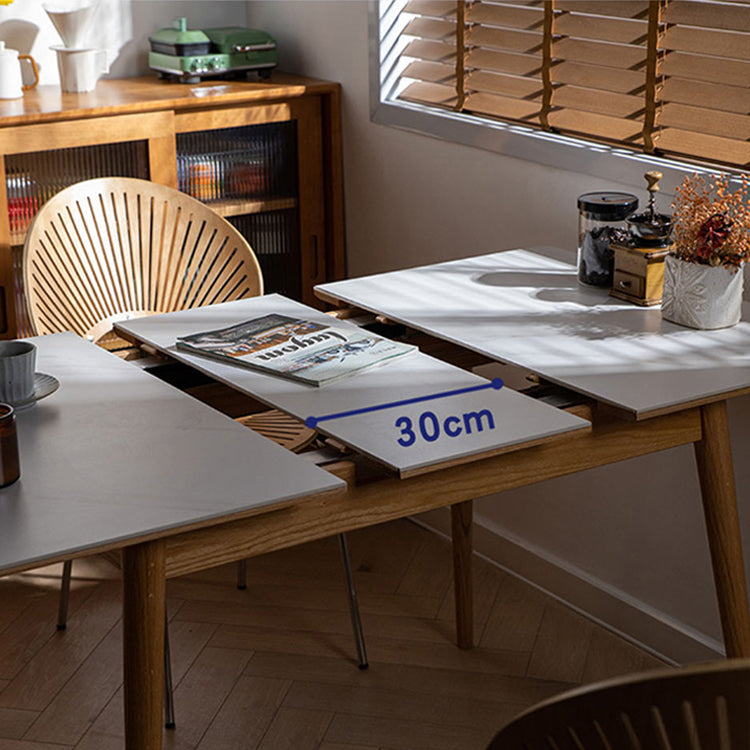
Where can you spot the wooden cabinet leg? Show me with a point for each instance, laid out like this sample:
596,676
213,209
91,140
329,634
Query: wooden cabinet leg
144,590
461,527
713,454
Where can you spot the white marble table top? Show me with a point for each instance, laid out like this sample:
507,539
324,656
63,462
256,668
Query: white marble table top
528,309
115,454
518,419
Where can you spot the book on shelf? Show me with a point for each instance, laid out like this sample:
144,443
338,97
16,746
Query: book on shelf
309,351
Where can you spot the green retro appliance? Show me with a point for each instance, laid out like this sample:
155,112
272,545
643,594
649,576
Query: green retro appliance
188,55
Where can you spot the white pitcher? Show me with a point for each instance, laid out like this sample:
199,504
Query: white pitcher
11,85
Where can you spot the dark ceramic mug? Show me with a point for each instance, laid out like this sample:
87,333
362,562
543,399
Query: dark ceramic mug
17,363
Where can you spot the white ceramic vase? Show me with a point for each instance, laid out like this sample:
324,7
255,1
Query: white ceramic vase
698,296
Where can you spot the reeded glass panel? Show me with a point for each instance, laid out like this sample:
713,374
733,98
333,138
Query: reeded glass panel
32,179
274,237
249,175
255,162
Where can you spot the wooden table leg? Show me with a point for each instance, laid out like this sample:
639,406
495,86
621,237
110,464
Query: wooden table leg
144,591
713,454
461,528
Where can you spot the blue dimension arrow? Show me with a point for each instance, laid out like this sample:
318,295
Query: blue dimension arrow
313,422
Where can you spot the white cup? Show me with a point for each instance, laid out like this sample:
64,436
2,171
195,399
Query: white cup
80,68
17,363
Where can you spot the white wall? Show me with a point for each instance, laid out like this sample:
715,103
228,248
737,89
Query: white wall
631,535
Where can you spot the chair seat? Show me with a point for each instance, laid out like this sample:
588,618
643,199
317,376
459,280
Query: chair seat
282,428
119,346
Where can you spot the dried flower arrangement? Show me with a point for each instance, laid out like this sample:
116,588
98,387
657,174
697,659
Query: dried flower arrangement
712,222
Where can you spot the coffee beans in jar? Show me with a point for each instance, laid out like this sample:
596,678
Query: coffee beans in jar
601,223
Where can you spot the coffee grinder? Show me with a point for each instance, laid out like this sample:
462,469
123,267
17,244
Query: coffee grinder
639,264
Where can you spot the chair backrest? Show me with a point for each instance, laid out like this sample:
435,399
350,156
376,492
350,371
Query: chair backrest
705,707
113,248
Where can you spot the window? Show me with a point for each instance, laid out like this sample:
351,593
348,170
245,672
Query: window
669,78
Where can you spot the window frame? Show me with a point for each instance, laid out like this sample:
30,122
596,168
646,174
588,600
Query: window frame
618,164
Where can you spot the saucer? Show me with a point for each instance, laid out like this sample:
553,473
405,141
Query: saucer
44,385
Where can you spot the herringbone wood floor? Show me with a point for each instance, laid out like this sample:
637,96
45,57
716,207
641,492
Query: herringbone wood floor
273,667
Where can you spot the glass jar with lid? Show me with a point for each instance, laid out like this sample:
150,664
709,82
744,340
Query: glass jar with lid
601,223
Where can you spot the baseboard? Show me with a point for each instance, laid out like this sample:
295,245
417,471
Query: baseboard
647,627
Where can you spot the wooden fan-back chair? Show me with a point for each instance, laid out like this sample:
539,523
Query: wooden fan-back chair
115,248
703,707
111,248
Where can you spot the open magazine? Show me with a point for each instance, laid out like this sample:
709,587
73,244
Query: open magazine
305,350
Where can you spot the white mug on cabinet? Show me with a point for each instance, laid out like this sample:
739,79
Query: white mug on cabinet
80,68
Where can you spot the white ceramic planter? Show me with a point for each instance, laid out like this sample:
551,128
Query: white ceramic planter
699,296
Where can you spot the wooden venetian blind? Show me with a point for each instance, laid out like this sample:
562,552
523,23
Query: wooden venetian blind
667,76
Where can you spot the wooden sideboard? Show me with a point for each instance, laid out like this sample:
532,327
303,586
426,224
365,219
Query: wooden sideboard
266,155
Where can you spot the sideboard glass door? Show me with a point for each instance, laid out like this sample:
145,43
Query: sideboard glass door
249,175
262,169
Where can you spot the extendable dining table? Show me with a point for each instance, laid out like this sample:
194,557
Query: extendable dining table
641,385
115,459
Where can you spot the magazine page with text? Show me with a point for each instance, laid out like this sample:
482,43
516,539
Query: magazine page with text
311,351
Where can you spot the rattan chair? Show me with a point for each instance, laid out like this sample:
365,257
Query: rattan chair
111,249
704,707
